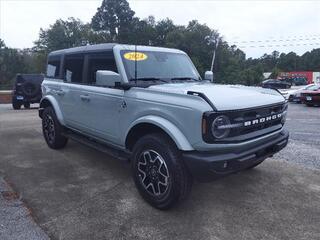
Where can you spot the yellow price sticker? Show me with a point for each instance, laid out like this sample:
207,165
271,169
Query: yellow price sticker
135,56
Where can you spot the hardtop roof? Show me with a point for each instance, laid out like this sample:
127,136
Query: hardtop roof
107,46
83,49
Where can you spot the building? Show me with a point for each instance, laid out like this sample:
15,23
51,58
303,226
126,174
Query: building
311,77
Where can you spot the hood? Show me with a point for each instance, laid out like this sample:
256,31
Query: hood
311,91
226,97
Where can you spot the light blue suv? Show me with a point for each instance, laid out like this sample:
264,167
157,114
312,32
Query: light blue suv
150,106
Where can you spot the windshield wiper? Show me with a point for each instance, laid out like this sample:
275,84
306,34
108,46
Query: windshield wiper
185,78
149,79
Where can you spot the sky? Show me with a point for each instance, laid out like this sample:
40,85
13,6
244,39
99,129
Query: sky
256,27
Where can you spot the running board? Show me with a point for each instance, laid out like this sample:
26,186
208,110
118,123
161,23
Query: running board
102,147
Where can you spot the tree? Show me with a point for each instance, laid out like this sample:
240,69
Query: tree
143,31
11,63
2,45
65,34
275,73
162,29
114,19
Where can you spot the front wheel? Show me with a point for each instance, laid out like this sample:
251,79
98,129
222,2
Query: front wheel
52,129
160,175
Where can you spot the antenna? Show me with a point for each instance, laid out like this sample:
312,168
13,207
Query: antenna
214,53
135,63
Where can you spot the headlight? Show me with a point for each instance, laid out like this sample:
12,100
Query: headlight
219,127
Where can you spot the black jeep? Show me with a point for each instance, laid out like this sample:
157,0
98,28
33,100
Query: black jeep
26,90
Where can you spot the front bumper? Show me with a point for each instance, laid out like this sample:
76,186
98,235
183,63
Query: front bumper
206,166
314,100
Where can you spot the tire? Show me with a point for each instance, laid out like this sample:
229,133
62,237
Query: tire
26,105
52,130
159,173
31,89
16,105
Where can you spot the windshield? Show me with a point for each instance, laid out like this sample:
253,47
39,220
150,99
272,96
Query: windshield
158,65
313,88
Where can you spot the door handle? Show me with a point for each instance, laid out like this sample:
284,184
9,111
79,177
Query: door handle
85,98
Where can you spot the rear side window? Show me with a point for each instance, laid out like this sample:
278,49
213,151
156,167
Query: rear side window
73,68
53,67
101,61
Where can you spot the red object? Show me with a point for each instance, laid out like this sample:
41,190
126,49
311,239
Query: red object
311,97
307,75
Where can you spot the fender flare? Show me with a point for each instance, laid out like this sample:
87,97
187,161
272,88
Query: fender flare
53,102
171,129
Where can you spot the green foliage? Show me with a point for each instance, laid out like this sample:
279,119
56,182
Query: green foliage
114,18
115,21
66,34
275,73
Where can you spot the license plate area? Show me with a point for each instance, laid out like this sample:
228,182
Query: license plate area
19,97
309,98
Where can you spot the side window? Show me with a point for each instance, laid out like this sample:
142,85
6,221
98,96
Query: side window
103,61
53,67
73,68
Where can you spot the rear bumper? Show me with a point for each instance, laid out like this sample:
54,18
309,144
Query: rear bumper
25,99
206,166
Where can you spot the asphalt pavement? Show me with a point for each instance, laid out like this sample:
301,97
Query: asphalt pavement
80,193
304,125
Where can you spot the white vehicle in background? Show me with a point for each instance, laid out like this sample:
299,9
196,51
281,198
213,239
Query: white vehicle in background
287,92
295,95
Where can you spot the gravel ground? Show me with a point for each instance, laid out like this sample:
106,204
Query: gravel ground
15,218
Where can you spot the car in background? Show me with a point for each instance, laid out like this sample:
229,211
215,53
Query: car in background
299,81
26,90
286,93
295,95
295,81
275,84
311,96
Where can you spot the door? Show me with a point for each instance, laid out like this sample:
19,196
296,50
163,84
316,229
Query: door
53,72
73,69
101,105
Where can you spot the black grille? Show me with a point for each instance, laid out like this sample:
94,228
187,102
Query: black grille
249,115
239,117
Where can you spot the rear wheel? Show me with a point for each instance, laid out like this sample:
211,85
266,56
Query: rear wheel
16,104
159,173
52,129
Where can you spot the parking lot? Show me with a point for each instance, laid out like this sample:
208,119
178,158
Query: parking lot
80,193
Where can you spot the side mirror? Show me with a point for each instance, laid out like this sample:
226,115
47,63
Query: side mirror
107,78
208,75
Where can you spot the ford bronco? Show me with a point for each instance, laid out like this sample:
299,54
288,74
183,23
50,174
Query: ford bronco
150,106
26,90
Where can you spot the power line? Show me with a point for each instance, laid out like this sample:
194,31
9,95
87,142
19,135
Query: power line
281,45
280,41
277,40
